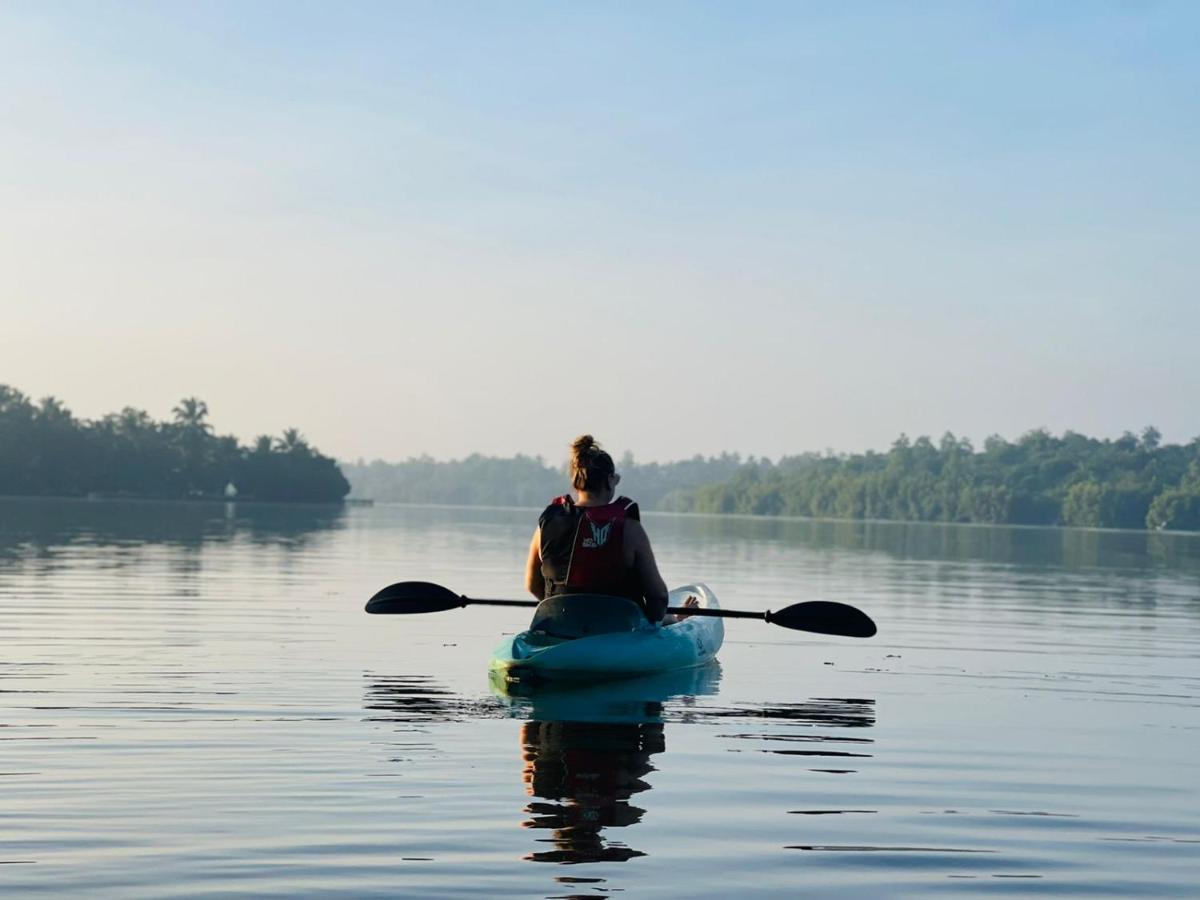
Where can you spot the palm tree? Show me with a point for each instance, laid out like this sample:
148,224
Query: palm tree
192,434
191,413
292,441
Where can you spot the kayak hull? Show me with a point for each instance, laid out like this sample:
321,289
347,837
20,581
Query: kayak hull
649,649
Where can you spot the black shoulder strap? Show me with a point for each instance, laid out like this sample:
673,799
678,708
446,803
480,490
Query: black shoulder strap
556,509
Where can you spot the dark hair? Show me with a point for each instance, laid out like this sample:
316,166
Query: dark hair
590,465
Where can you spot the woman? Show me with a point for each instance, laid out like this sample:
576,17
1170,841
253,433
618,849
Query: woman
595,544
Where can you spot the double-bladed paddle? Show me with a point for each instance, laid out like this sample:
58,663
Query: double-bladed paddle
818,616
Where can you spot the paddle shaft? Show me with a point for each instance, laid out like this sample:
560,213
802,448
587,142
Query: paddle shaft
686,610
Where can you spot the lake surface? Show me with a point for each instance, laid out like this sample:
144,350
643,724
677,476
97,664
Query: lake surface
194,703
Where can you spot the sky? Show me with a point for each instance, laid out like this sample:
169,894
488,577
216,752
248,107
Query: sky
445,228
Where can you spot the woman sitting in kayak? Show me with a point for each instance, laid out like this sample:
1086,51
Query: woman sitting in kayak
595,544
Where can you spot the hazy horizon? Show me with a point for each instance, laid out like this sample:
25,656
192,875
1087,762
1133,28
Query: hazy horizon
429,229
563,455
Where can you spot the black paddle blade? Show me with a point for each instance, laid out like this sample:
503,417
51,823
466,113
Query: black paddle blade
824,617
414,597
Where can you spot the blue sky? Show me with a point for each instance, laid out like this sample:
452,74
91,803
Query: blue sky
410,228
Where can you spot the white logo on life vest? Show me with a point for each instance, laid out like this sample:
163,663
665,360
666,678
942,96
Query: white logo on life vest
599,535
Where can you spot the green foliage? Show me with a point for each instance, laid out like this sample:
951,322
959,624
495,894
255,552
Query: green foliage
1038,480
1177,509
1085,504
44,450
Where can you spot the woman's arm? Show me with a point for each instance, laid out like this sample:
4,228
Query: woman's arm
644,566
535,582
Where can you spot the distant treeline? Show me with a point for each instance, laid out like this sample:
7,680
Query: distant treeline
46,451
523,480
1040,479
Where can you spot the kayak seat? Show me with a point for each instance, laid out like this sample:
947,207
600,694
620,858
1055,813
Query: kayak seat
571,616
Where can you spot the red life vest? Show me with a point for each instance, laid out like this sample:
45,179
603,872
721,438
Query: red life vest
583,548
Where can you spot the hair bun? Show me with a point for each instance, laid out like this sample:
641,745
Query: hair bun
589,464
583,445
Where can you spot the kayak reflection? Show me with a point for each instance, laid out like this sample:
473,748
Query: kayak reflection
587,752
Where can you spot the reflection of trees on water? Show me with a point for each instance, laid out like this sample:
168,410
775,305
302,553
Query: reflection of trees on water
1069,548
42,527
583,775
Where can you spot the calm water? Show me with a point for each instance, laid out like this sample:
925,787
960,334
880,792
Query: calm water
194,703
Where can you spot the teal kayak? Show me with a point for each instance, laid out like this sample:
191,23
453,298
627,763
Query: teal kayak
589,636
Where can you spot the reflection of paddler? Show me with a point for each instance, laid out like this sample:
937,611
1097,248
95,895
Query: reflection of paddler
590,770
